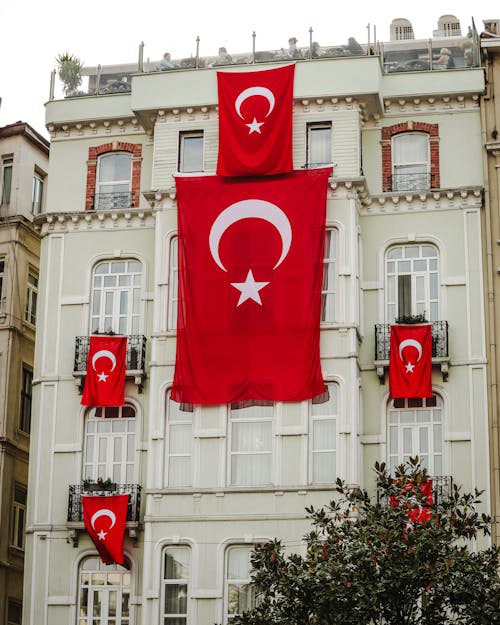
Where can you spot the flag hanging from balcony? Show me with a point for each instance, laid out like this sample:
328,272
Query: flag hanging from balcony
255,122
250,277
105,379
418,506
105,518
410,361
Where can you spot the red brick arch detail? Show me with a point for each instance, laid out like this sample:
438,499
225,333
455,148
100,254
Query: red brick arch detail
389,131
119,146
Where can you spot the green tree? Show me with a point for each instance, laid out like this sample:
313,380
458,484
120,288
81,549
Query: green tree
70,72
396,560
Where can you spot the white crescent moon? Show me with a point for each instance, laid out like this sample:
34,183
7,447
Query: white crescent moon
103,512
410,343
251,91
104,353
259,209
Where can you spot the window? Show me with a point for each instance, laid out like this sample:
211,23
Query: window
18,519
323,438
113,181
26,400
7,163
14,612
175,586
191,151
412,275
2,274
410,162
173,284
179,444
319,144
104,594
31,298
329,277
416,429
110,442
116,297
240,593
37,193
251,445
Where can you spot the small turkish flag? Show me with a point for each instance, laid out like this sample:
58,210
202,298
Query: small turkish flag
255,122
418,508
105,379
105,519
410,361
250,273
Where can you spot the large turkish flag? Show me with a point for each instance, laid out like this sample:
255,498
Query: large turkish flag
410,361
105,518
105,379
250,275
255,122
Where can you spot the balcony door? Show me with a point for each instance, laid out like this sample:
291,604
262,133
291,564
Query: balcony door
116,297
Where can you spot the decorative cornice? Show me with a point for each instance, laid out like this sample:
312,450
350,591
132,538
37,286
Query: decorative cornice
99,127
442,199
426,104
84,221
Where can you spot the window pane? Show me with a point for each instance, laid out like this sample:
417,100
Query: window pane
319,144
114,167
177,563
191,151
324,433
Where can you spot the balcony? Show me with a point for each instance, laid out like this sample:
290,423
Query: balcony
75,511
440,355
135,359
108,201
411,182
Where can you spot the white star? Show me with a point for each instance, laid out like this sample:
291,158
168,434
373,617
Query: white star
249,289
101,535
102,377
409,367
254,126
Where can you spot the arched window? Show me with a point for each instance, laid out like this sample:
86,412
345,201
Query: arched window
110,442
104,594
114,181
179,445
415,428
116,297
323,438
412,281
175,585
240,594
410,162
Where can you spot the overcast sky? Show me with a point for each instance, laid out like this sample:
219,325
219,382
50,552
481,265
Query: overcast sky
33,33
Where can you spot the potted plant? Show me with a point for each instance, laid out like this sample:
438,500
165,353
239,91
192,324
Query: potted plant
99,485
411,319
70,72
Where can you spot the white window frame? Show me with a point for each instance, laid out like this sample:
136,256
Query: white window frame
411,424
315,133
7,173
26,400
325,414
421,263
103,578
31,297
329,288
419,176
37,192
106,195
116,304
185,581
235,581
184,138
18,516
247,417
178,420
173,283
104,436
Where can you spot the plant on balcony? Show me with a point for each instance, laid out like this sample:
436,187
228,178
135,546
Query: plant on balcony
99,484
411,319
367,563
70,72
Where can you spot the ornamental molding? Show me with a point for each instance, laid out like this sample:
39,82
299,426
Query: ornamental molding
87,221
421,201
101,127
426,104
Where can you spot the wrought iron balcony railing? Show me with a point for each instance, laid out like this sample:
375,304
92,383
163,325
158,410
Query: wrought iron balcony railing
75,512
439,340
106,201
442,487
411,182
136,353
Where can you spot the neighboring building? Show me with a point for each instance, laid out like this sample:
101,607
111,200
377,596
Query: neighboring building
404,237
24,156
490,47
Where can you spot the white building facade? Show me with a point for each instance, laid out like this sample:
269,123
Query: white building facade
207,483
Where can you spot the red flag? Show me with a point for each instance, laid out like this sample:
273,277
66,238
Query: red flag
105,379
250,275
255,122
418,507
410,361
105,518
